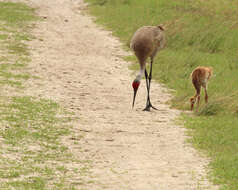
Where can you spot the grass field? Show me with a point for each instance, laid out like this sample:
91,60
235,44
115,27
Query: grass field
31,153
199,33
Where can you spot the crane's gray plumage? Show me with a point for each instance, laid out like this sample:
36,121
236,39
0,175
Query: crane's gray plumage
146,42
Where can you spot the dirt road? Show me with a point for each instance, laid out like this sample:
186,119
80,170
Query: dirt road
81,68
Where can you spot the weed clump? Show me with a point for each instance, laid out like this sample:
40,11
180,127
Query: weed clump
210,109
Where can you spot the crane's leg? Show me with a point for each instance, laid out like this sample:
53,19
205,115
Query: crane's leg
148,81
147,108
150,77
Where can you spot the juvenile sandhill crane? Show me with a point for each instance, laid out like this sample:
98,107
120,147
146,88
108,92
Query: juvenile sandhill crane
146,42
200,77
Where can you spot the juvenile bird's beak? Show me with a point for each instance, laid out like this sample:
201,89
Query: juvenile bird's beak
134,97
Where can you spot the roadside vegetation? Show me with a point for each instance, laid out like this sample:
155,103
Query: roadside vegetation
199,33
32,155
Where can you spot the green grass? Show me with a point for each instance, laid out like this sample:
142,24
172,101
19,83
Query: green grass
14,27
198,33
218,137
32,155
14,32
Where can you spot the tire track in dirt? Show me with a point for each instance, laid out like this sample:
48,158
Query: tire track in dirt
81,68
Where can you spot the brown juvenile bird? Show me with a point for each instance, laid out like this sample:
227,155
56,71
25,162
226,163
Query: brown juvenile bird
146,42
200,77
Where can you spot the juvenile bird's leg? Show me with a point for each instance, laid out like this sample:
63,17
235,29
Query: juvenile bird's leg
198,100
148,81
206,96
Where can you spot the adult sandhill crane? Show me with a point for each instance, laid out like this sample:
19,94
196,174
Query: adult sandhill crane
146,42
200,77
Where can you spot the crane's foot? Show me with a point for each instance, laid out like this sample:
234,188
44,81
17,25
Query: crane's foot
148,106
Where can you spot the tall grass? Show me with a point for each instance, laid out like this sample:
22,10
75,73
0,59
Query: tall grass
199,33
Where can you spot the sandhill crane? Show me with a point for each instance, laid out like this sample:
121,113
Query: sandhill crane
146,42
200,77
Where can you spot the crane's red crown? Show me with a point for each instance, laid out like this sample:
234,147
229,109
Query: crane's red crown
135,84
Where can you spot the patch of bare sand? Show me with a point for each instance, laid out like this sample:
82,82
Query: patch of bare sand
81,68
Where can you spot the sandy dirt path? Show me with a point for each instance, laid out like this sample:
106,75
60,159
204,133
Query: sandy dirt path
81,68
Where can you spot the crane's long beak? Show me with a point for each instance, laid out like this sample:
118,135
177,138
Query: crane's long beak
134,97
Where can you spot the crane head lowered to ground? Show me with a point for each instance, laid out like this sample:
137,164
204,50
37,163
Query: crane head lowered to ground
146,42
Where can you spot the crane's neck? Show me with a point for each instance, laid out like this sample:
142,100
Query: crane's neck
140,74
